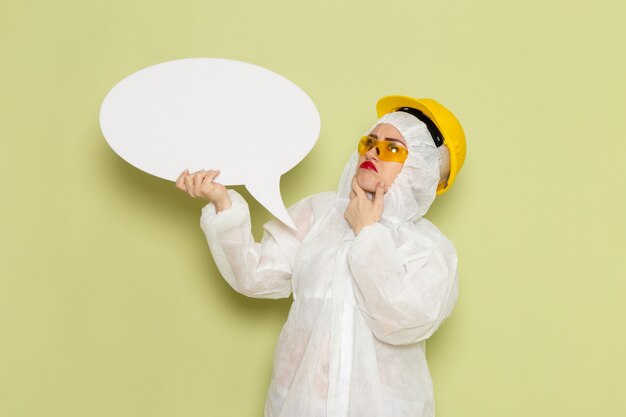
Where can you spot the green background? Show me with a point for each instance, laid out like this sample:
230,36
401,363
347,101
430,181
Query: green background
110,304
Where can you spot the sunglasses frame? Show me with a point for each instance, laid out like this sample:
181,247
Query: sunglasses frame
383,152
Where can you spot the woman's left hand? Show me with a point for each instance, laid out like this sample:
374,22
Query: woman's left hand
362,211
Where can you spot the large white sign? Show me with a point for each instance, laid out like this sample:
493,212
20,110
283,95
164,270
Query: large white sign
210,113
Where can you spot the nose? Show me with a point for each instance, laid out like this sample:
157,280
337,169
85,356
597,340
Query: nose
372,153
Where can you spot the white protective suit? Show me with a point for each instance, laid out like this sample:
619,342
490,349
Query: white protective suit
354,341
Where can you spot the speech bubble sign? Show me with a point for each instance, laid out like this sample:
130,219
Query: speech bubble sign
212,113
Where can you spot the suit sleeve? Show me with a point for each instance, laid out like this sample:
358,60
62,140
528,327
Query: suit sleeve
255,269
404,291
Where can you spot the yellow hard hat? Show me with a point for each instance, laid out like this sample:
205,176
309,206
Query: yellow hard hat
448,125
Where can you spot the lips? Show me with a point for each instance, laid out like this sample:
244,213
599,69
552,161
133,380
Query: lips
368,165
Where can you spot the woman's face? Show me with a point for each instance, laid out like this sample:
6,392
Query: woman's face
372,170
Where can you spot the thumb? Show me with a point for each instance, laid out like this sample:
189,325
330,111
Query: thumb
380,191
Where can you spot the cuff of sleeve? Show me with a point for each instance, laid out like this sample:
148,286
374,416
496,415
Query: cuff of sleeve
369,235
228,218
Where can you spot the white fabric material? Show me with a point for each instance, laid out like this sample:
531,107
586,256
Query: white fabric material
354,341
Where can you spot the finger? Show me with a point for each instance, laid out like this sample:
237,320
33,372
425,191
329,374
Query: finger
180,181
357,188
378,196
181,177
189,184
208,180
198,177
212,174
197,181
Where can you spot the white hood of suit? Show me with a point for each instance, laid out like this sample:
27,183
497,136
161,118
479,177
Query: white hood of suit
414,189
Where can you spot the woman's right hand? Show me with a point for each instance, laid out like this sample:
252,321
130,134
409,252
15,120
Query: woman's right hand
200,185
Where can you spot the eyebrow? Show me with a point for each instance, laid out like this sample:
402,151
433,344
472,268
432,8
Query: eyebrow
375,136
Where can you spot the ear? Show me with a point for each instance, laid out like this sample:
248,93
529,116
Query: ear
444,164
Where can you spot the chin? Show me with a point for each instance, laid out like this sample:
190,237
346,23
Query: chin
367,181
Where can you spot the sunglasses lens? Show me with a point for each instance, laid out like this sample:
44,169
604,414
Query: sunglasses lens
392,152
386,150
365,144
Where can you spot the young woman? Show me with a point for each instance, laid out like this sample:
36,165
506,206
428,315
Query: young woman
371,278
